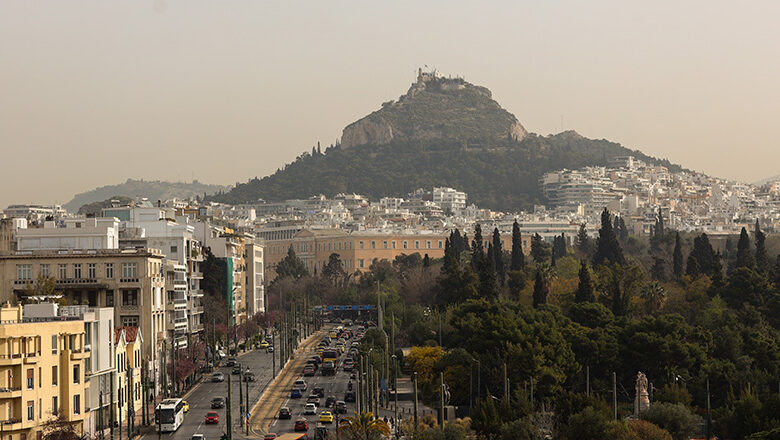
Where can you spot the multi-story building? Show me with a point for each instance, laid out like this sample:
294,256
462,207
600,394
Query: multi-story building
129,280
449,199
35,213
43,362
72,233
129,362
357,250
255,278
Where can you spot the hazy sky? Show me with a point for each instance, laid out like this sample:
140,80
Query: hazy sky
94,92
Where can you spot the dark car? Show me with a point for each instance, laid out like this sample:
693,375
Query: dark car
295,394
301,425
230,361
284,413
313,398
348,365
249,377
330,401
328,368
318,391
236,369
308,371
217,402
270,436
349,396
341,407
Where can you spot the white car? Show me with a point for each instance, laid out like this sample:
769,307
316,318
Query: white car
310,409
299,384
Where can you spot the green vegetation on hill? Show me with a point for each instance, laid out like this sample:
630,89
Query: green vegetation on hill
504,175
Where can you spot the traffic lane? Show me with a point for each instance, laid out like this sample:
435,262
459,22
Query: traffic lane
336,385
260,364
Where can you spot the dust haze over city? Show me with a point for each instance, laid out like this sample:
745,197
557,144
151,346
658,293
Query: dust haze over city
691,82
302,220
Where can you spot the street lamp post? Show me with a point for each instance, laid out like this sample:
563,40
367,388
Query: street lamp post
395,392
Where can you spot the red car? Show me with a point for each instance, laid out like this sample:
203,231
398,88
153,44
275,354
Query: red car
212,417
301,425
269,436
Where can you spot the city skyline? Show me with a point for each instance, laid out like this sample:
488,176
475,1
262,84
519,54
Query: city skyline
101,93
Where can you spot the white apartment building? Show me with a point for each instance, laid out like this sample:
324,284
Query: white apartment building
449,199
73,233
255,277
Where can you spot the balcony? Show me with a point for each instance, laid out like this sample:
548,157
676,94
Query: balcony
128,280
130,307
77,355
197,310
12,424
10,393
10,359
197,328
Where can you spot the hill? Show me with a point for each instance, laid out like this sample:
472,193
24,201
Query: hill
442,132
436,108
152,189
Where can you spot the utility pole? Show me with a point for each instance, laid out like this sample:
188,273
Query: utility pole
240,398
273,355
359,394
229,426
395,389
246,393
416,422
441,397
173,366
119,404
130,408
111,428
614,393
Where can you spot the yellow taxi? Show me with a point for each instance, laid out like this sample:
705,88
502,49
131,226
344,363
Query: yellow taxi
263,344
326,417
186,406
334,335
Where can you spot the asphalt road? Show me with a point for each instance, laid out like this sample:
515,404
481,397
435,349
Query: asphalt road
259,362
333,385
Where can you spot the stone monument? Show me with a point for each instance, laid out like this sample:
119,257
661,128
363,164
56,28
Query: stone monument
642,399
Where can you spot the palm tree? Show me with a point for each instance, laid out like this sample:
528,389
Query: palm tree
654,295
363,426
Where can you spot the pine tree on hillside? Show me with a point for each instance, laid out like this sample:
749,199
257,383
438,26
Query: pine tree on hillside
487,275
744,253
702,259
677,258
518,259
585,286
582,242
539,249
608,249
659,225
498,257
762,257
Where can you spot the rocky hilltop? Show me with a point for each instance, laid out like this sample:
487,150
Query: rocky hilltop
436,108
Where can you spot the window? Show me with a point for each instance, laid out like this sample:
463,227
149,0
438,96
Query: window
428,244
77,373
45,270
77,270
405,245
174,249
78,225
129,297
24,271
129,270
54,344
63,271
373,244
91,271
130,321
360,263
384,244
77,404
392,244
54,375
54,406
30,378
40,378
30,410
416,244
360,244
109,270
109,298
441,244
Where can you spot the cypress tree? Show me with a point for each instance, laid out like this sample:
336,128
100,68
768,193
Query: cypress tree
518,259
585,286
702,259
776,274
487,274
477,252
692,268
607,247
465,243
658,271
744,254
540,290
659,229
762,257
498,254
448,252
623,230
677,258
426,261
582,242
538,249
478,240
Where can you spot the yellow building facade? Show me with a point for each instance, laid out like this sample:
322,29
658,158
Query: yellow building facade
42,373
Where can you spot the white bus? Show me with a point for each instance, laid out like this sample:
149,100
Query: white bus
169,414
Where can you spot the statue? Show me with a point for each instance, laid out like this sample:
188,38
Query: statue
642,399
